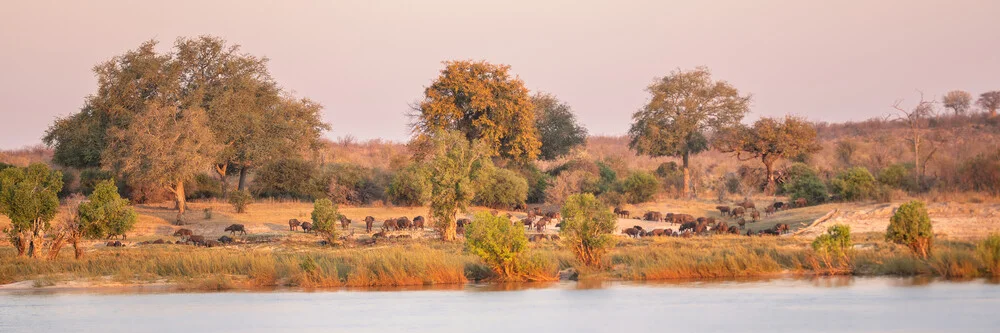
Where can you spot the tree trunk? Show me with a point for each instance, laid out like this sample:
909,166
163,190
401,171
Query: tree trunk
993,112
448,228
768,167
916,156
687,177
21,243
221,170
243,178
77,249
179,198
57,244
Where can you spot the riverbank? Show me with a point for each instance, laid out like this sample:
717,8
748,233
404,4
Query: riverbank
433,263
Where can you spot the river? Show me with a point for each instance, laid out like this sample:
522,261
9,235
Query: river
779,305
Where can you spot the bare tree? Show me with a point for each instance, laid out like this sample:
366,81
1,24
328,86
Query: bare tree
957,100
916,119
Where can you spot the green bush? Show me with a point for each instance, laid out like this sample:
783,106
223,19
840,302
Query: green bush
356,185
289,178
324,218
538,182
498,243
240,200
203,186
29,198
607,179
501,188
672,177
989,253
910,225
587,228
105,213
640,187
897,176
836,241
410,186
803,183
981,173
854,184
89,178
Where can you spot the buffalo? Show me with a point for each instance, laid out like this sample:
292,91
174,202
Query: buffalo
723,209
742,222
781,228
738,212
403,223
688,226
225,240
292,224
306,226
619,212
234,228
653,216
389,225
747,205
183,232
755,215
196,239
721,228
778,205
540,225
418,223
369,222
114,244
734,230
345,222
769,211
801,202
634,232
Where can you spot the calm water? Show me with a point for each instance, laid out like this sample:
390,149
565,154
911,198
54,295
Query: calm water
826,305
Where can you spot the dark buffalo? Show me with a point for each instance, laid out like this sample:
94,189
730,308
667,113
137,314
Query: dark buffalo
683,218
293,223
781,228
403,223
236,228
114,244
345,222
778,206
460,225
183,232
721,228
688,226
801,202
225,240
653,216
527,223
369,222
519,207
633,232
747,205
211,243
618,212
418,223
723,209
658,233
742,222
734,230
540,225
306,226
755,215
389,225
669,218
552,215
738,212
196,239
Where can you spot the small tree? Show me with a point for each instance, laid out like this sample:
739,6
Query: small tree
769,140
557,126
587,228
989,252
917,121
854,184
240,200
911,226
501,188
957,100
106,214
990,101
834,244
454,166
29,198
324,217
410,186
498,243
639,187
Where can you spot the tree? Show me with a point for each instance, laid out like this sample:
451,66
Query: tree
769,140
917,121
483,102
163,148
498,243
240,200
29,198
410,186
957,100
557,126
834,244
501,188
324,217
682,108
804,183
105,214
990,100
586,228
911,226
854,184
455,165
640,187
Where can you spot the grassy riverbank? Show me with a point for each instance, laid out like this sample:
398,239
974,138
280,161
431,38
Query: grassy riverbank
434,263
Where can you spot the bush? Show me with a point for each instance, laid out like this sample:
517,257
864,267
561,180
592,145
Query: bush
672,178
607,179
834,245
500,188
324,217
203,186
569,183
989,253
89,178
289,178
911,226
538,182
981,173
897,176
356,185
240,200
854,184
498,243
587,228
639,187
106,214
410,187
803,183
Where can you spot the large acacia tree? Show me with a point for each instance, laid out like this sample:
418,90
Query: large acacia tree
683,107
769,140
484,102
557,126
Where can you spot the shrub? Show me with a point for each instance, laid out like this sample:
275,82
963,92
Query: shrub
500,188
240,200
586,228
897,176
106,214
833,245
854,184
203,186
981,173
672,178
639,187
356,185
498,243
803,183
989,253
89,178
607,178
410,187
295,178
29,198
911,226
324,217
567,184
538,182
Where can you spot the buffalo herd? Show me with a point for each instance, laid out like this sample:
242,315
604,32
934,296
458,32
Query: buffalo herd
740,214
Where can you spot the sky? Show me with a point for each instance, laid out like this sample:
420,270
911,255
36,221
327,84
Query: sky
367,61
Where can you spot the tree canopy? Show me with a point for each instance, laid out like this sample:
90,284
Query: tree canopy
453,168
683,107
29,198
769,140
484,102
106,213
957,100
557,127
586,228
990,101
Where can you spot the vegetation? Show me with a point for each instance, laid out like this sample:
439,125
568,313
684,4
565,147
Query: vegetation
989,253
854,184
324,219
586,228
501,188
832,247
29,197
911,226
240,200
683,107
958,101
804,183
483,102
499,244
454,167
640,187
770,140
106,214
990,100
410,186
557,127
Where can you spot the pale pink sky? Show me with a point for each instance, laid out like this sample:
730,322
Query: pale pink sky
367,60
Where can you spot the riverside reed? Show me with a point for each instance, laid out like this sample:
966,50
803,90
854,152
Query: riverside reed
434,263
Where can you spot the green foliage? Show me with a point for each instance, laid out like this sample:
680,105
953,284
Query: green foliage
538,182
989,253
203,186
90,177
29,198
587,228
356,185
897,176
106,213
836,241
240,200
769,140
557,127
498,243
289,178
910,225
455,165
483,102
608,179
854,184
639,187
501,188
981,173
324,218
410,186
804,183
